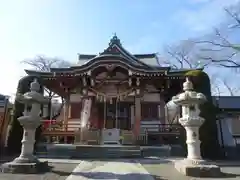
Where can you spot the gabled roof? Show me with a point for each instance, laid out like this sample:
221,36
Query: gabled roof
114,54
227,102
115,48
3,99
138,56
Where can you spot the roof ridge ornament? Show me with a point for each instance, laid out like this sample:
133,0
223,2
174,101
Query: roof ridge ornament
115,40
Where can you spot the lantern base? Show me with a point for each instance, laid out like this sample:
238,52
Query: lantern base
24,168
195,169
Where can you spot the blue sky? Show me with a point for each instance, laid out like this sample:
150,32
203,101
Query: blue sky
63,28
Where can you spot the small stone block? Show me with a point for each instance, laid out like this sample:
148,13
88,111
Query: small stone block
24,168
198,170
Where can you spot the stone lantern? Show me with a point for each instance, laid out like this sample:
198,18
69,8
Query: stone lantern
27,162
193,165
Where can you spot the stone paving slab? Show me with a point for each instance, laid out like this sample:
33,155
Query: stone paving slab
151,168
60,171
65,161
163,169
112,170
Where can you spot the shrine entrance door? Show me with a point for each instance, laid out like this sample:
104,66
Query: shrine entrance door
115,115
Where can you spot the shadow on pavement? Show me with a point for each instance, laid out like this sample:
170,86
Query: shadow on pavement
106,175
61,173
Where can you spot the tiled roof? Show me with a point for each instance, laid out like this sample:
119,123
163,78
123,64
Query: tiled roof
90,56
227,102
2,100
2,97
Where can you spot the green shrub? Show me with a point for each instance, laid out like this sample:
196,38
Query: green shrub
210,147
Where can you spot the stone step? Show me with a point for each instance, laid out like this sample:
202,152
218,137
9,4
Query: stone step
158,152
68,151
71,151
177,150
106,153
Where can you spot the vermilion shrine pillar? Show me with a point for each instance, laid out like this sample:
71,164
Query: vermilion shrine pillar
138,116
137,122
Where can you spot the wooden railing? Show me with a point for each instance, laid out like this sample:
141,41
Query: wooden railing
58,131
162,129
165,133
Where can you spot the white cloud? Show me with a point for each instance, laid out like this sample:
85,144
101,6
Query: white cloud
206,16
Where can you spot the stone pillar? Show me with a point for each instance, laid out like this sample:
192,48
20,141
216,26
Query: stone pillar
137,122
193,142
27,145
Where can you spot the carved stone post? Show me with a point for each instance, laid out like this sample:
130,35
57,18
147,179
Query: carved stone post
193,165
27,162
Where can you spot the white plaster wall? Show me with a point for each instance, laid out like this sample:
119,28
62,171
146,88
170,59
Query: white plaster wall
81,62
45,110
75,98
150,61
151,97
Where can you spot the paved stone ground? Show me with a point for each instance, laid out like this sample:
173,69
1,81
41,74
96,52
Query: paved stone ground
164,170
123,169
160,169
60,171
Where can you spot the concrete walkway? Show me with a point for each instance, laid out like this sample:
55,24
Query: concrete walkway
113,170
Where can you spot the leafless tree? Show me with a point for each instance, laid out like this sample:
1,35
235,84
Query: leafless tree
221,86
215,88
187,55
42,63
183,55
222,48
231,89
218,49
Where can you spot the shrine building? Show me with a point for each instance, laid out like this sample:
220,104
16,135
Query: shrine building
114,92
5,117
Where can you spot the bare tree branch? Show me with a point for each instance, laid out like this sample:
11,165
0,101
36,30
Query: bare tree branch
222,44
234,16
232,90
45,64
183,55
